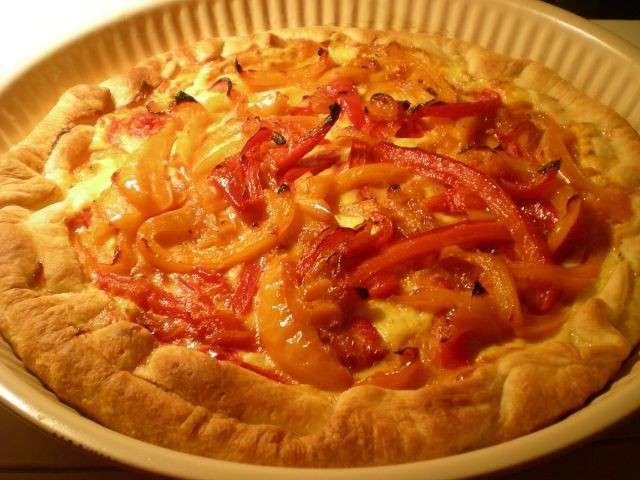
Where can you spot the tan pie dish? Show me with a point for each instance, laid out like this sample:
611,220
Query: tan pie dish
621,399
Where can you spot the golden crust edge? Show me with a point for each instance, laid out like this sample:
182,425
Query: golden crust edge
381,435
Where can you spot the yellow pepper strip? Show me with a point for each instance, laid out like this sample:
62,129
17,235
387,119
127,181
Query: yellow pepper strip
144,180
215,148
288,338
370,174
167,240
194,119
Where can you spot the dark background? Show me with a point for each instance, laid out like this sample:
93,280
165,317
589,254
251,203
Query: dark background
625,9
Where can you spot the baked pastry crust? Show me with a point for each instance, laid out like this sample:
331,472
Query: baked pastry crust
64,330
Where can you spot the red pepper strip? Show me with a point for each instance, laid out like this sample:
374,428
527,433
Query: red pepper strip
462,233
359,154
294,173
455,201
208,325
353,105
205,285
261,136
247,287
342,92
358,346
541,214
348,243
528,243
542,301
467,336
349,100
231,179
82,219
376,234
214,280
410,126
309,140
535,189
253,186
302,110
144,124
329,240
487,106
340,86
383,285
238,178
252,163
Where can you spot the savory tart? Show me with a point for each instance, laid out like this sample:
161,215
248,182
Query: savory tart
323,247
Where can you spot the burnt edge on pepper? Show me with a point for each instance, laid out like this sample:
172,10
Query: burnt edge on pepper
226,80
278,138
552,166
184,97
477,289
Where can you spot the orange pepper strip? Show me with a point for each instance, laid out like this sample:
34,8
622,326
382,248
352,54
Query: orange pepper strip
268,79
537,187
463,233
263,80
438,299
565,225
409,376
554,148
529,244
288,338
497,280
569,279
489,103
183,255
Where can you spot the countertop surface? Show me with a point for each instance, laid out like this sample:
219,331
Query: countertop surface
29,453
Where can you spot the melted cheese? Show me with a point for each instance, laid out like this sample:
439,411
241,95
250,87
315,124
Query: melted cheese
87,190
342,54
397,324
81,193
84,191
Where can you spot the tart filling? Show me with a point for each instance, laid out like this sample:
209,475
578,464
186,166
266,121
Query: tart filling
341,215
